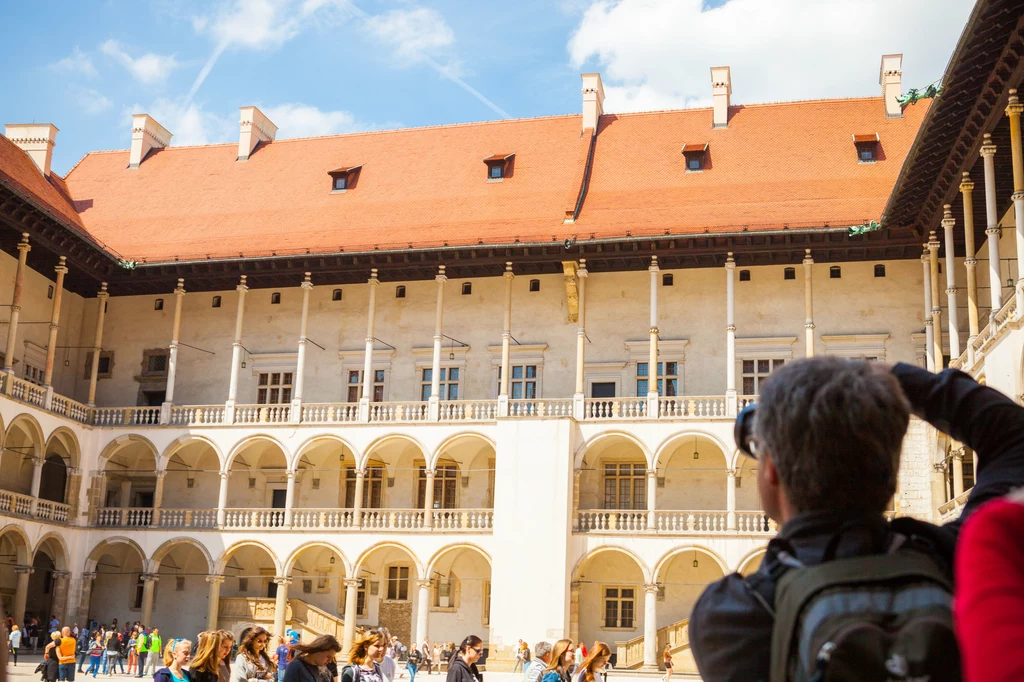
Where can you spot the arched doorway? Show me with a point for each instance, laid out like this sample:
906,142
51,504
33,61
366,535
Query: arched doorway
61,457
117,589
47,589
14,560
257,485
181,596
324,470
247,596
388,574
693,488
317,572
612,489
608,588
22,443
460,594
393,467
463,480
191,488
128,489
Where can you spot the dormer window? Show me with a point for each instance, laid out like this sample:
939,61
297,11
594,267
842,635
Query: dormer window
695,154
499,166
867,147
343,179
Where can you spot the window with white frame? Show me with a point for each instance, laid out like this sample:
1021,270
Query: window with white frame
522,382
755,371
625,486
398,583
758,357
526,370
355,385
671,356
668,378
856,346
449,383
274,388
619,607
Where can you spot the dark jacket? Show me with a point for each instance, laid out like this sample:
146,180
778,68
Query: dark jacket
731,624
300,671
460,671
164,675
203,676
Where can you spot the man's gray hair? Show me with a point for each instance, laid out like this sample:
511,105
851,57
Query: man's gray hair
541,649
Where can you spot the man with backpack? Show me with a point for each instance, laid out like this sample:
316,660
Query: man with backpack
842,594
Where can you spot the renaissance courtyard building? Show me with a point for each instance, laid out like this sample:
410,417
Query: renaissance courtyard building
478,378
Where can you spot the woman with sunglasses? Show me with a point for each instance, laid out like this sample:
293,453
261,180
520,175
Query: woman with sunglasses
463,666
253,664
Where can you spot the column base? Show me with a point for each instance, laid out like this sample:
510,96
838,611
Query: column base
578,412
364,410
165,413
503,405
295,414
48,397
229,412
652,405
434,409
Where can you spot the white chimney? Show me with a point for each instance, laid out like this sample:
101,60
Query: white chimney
890,77
721,92
36,139
256,128
593,101
147,134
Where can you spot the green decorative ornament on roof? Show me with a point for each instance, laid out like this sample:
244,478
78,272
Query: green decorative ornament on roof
870,226
913,95
127,264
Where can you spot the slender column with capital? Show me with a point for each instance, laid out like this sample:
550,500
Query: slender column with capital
574,611
37,479
808,305
652,346
158,496
1014,110
236,353
422,608
939,496
21,592
651,626
300,366
97,347
364,401
948,223
929,331
12,328
351,602
933,270
213,603
995,276
506,338
148,589
85,600
51,344
60,596
730,499
428,500
958,469
357,510
172,358
434,407
730,336
222,498
281,603
289,499
652,497
971,262
581,339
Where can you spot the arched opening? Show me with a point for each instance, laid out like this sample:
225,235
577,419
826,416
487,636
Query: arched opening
257,486
611,598
117,588
191,484
129,484
692,485
393,467
47,597
388,575
14,553
247,596
22,443
463,480
317,573
750,565
181,596
460,594
62,455
681,579
613,486
323,471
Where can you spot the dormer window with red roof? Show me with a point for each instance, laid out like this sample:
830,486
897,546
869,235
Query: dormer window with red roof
499,166
343,179
867,147
695,154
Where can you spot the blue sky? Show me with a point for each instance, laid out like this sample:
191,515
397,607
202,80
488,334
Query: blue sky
335,66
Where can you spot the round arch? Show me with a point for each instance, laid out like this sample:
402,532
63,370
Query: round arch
187,439
455,547
31,427
587,445
585,559
312,441
751,561
665,560
369,551
454,439
249,440
391,438
19,538
669,444
99,549
3,430
163,550
69,440
111,448
222,561
289,563
62,557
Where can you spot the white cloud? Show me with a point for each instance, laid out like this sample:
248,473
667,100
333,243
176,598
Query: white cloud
411,33
78,62
91,102
302,120
658,53
149,69
189,122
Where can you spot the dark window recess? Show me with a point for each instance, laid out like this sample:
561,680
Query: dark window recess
879,270
216,301
104,367
155,364
744,275
789,273
158,304
835,272
400,291
336,295
867,147
667,280
275,298
499,166
344,178
534,285
695,155
467,288
49,292
602,389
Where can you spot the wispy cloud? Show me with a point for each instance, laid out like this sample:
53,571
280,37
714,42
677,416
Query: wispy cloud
77,63
91,102
149,69
302,120
189,122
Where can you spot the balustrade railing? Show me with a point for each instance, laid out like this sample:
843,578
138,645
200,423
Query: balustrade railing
393,519
126,416
398,412
254,518
343,413
697,407
607,520
188,518
72,409
756,523
672,522
130,517
197,415
53,511
323,518
262,414
614,408
691,521
15,503
463,519
540,408
26,391
466,410
950,511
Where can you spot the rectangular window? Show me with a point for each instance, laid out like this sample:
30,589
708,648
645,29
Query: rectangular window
355,385
106,364
361,598
373,486
33,375
522,384
668,379
446,479
137,595
449,384
179,583
398,583
274,388
243,584
625,486
444,590
156,363
618,607
756,371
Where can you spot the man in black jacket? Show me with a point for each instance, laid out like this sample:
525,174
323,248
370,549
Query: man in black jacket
827,437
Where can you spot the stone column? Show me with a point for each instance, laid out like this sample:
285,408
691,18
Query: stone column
422,609
1014,110
933,269
281,604
652,499
172,358
574,611
300,366
652,346
289,499
929,332
148,588
506,339
222,498
85,603
995,276
364,402
158,496
581,341
651,626
21,594
967,190
434,407
428,500
730,499
213,602
957,459
37,479
351,602
12,328
731,407
51,344
808,305
60,596
357,509
97,347
236,353
948,223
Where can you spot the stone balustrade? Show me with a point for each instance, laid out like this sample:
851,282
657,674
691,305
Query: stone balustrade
692,407
540,408
398,412
323,518
469,410
263,414
393,519
13,503
54,512
950,511
614,408
130,517
473,520
253,518
326,413
601,521
188,518
672,522
197,415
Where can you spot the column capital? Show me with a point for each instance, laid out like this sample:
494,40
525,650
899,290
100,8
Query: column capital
102,294
947,216
652,473
730,328
650,588
37,461
352,582
957,454
307,283
423,584
966,185
993,230
149,577
180,289
225,475
987,148
939,467
574,586
581,271
61,575
160,473
215,579
282,581
807,257
933,241
22,570
653,330
360,473
928,320
654,265
508,274
61,268
951,290
809,325
441,277
430,473
925,255
23,245
89,575
971,262
242,286
1017,196
1014,107
291,474
730,262
732,473
373,281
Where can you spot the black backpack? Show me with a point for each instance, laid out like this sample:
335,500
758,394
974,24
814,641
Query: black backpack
884,616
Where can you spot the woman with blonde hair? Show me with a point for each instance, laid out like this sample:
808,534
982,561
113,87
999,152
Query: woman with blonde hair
177,654
364,658
310,661
594,665
204,665
225,642
14,640
560,663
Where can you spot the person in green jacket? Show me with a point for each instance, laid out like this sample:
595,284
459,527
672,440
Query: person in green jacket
142,649
155,658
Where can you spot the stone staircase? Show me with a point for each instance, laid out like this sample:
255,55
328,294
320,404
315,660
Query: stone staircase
310,621
630,654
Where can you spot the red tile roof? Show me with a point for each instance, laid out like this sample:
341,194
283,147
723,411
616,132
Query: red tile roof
19,172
